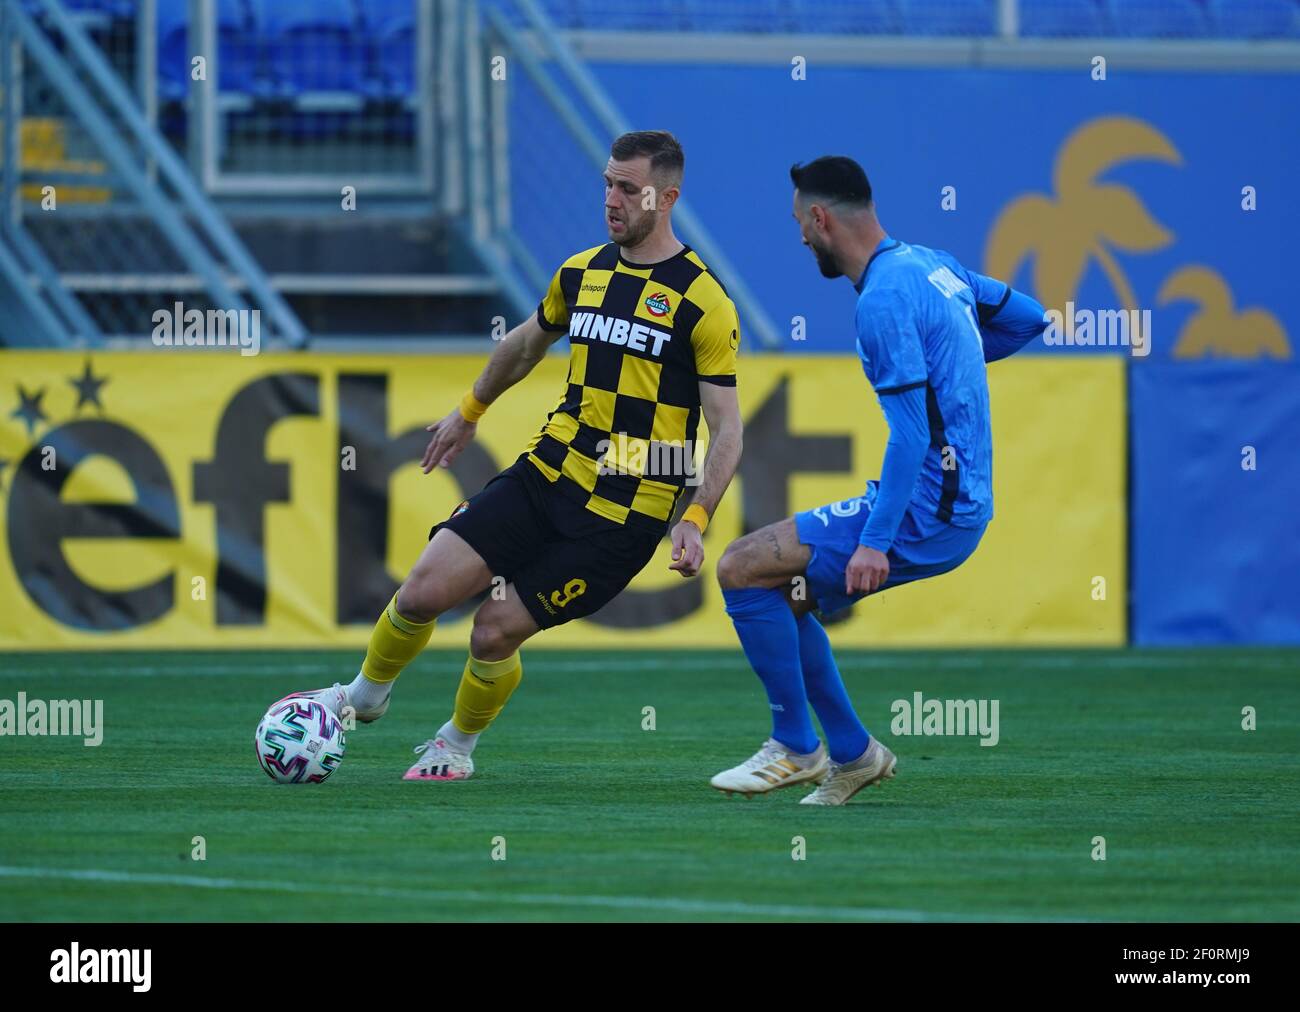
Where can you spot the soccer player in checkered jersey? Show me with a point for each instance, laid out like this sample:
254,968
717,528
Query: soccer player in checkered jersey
926,327
653,339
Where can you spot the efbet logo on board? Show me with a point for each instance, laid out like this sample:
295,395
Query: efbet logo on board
658,304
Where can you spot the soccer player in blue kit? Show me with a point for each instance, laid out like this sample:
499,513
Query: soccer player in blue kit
926,326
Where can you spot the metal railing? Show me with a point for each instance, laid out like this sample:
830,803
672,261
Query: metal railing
581,111
141,178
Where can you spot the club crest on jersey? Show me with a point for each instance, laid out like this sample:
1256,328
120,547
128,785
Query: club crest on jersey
658,304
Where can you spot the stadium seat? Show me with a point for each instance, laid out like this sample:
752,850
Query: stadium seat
943,17
122,8
111,8
865,17
1160,19
1064,19
1256,19
390,29
625,16
312,45
737,16
88,12
173,50
241,54
238,53
172,15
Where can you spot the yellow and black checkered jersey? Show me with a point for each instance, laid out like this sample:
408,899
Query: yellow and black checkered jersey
642,337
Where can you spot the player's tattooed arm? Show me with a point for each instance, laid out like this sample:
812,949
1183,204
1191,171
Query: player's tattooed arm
726,435
512,359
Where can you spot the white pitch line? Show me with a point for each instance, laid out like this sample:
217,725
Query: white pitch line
514,899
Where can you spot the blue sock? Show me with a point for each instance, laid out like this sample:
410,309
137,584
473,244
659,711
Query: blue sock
845,735
767,631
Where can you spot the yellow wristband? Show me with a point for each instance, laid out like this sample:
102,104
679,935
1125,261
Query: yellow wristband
471,408
697,515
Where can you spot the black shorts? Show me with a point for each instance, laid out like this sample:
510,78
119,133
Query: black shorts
564,560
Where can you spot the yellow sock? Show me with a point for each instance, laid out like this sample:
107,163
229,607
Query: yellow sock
484,690
394,643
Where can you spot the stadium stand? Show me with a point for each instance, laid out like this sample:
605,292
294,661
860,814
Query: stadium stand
173,52
240,49
1065,19
1169,19
317,45
1037,18
390,29
286,49
313,47
922,17
1256,19
870,17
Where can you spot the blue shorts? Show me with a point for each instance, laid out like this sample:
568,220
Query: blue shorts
919,550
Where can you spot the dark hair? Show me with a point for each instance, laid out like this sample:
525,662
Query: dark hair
659,146
832,178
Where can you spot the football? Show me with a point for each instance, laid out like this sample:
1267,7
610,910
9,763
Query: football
299,741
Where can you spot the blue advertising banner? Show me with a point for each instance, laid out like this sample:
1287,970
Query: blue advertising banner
1215,548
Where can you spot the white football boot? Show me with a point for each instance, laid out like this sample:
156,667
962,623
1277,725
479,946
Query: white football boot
874,766
335,699
772,766
440,762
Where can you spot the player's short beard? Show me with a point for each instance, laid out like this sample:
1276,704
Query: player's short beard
635,232
825,261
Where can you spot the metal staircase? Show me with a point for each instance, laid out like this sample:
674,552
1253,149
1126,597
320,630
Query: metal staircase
223,193
104,202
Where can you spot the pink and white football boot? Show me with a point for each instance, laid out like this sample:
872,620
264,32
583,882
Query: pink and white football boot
440,761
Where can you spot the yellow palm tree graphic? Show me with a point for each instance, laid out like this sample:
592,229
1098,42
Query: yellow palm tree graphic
1086,218
1216,328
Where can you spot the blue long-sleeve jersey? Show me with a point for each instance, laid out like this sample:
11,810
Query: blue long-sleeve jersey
926,327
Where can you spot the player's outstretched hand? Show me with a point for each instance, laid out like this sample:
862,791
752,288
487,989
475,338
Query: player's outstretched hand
688,548
868,570
450,436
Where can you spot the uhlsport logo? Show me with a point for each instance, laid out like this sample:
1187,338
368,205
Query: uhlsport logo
75,965
658,304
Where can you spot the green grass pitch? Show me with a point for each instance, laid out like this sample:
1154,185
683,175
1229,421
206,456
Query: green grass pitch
603,820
